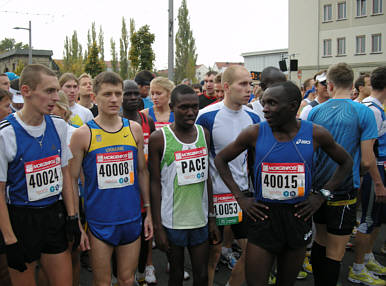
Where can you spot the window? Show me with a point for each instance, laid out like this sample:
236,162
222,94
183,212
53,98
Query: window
327,15
360,45
377,6
327,48
341,46
341,10
361,8
376,46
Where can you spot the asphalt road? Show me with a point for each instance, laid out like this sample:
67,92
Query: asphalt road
159,260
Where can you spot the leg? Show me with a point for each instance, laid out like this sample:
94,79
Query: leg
199,255
289,264
100,260
75,258
176,260
52,262
127,261
4,274
26,278
238,273
214,256
42,279
258,264
318,253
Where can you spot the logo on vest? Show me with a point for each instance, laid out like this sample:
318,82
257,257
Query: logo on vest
301,141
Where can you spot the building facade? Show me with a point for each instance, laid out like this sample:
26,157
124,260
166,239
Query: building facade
257,61
325,32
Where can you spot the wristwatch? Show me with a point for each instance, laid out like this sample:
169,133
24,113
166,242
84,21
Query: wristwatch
326,194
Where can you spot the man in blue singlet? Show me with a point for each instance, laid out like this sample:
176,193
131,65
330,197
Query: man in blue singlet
282,150
353,126
34,175
110,151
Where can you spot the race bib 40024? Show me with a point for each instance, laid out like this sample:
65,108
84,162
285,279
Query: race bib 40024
43,177
282,181
227,209
115,170
192,166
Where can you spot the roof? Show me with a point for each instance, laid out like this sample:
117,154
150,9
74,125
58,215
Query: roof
221,65
24,52
259,53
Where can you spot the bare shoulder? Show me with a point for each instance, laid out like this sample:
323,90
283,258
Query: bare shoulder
81,136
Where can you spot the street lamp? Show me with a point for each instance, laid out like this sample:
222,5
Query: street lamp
30,41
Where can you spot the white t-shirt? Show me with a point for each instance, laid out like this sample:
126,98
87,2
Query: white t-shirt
8,145
80,115
258,108
377,114
306,110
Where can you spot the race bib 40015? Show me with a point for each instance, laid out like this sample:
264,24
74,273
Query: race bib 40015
192,166
115,170
43,177
227,209
282,181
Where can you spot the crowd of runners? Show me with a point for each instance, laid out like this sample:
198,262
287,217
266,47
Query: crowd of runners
266,177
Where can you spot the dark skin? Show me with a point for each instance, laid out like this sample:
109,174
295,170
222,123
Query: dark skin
131,102
281,116
185,110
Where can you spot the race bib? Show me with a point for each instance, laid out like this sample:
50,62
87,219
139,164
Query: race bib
159,125
146,136
227,209
44,178
282,181
192,166
115,170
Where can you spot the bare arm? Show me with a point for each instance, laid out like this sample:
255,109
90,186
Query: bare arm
143,178
5,223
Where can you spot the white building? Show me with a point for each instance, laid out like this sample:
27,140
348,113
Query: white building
325,32
257,61
222,66
201,70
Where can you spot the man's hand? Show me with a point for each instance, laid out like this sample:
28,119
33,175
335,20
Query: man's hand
72,231
15,256
148,227
214,233
84,241
252,208
380,192
161,239
308,207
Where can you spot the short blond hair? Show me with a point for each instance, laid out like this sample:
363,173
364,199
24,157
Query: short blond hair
229,75
163,82
83,75
63,104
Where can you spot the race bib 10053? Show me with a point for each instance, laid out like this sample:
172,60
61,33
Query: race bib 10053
44,178
192,166
115,170
227,209
282,181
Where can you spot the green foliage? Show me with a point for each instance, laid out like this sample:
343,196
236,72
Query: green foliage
114,56
72,56
141,52
93,64
186,56
123,51
19,67
8,44
101,46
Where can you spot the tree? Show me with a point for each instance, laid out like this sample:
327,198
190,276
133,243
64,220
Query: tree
123,50
8,44
114,56
101,46
93,64
186,56
141,53
73,55
19,67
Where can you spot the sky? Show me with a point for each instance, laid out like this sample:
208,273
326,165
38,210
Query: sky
223,29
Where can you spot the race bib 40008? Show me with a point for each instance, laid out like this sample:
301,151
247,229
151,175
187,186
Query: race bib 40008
282,181
43,177
115,170
192,166
227,209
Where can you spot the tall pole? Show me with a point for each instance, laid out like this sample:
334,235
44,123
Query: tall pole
30,44
171,43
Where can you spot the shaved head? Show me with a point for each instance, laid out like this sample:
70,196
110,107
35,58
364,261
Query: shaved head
270,76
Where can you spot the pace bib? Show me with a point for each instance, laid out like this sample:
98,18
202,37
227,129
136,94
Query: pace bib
282,181
43,177
227,209
146,137
115,170
192,166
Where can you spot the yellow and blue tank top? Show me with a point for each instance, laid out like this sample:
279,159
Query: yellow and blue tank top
282,170
111,194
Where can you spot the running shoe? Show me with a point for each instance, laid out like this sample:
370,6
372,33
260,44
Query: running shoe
229,260
141,282
114,281
302,275
186,274
271,279
375,267
364,277
150,275
307,265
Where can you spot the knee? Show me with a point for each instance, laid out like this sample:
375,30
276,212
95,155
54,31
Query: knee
126,281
